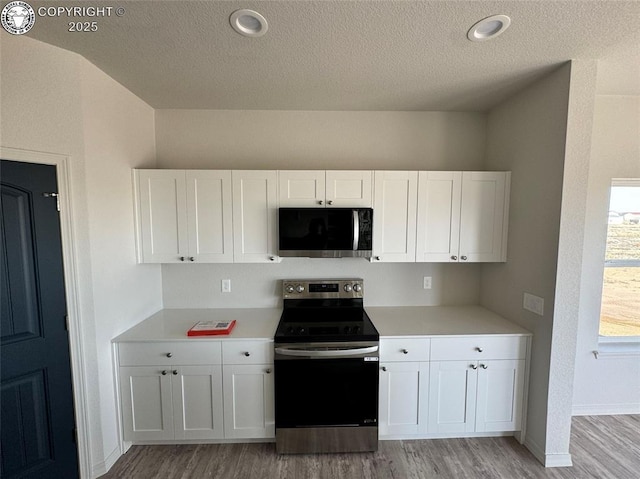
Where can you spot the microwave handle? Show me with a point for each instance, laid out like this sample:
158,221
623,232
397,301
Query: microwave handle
356,229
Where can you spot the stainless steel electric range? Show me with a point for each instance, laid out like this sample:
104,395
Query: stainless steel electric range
326,369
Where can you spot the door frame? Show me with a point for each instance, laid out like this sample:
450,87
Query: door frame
67,233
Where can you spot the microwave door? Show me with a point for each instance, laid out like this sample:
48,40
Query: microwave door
356,229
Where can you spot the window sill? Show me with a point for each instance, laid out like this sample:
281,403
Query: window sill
617,347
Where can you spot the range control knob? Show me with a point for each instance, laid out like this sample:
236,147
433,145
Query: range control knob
289,288
357,287
347,288
300,288
347,329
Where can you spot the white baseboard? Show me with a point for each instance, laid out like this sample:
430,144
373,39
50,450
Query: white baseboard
548,460
103,467
605,409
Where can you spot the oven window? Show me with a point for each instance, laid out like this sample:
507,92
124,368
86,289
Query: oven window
326,392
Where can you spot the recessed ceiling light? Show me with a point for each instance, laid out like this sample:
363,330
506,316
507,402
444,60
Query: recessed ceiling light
488,28
248,23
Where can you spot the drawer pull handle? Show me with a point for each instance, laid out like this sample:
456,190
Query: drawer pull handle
164,373
268,371
405,351
247,353
484,366
174,372
479,349
169,355
384,368
473,366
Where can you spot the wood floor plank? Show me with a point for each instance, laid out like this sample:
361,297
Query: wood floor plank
602,447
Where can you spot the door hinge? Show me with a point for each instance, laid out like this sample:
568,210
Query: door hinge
53,195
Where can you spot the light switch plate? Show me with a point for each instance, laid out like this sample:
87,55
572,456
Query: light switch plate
226,285
427,282
533,303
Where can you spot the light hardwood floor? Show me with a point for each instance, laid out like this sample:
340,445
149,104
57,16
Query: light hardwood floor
602,447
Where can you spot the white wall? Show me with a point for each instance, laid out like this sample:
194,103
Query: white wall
54,101
528,135
319,140
609,385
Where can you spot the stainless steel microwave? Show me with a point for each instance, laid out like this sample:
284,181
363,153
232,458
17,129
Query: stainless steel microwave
325,232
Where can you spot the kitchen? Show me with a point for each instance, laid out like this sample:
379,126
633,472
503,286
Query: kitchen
73,101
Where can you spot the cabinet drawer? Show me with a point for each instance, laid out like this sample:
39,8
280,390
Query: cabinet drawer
478,347
413,349
169,353
247,352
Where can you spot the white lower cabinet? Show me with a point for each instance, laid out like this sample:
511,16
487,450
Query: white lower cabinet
476,384
176,402
403,398
248,401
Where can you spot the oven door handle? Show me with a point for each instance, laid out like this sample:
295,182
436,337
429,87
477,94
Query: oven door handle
323,353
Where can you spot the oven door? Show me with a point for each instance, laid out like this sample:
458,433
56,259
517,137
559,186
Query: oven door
326,397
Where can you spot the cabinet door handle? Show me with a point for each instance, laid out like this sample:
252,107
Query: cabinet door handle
473,366
169,355
405,351
247,353
463,258
330,202
377,258
384,368
454,258
484,366
268,371
164,373
174,372
320,202
272,258
181,258
479,349
191,258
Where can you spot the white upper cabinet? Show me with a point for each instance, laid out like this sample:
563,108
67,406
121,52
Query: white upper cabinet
162,206
462,216
209,216
319,188
394,223
254,216
184,216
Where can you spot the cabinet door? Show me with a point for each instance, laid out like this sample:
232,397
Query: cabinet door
499,399
483,216
438,216
248,401
349,188
394,223
452,396
147,411
403,398
197,402
254,216
209,221
163,215
301,188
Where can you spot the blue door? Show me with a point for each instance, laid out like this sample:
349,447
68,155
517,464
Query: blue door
38,425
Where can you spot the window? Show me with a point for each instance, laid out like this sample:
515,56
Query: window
620,311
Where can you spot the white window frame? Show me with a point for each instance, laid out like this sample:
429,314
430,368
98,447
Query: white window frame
618,346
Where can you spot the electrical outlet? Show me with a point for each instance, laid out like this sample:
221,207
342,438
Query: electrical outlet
427,282
533,303
226,285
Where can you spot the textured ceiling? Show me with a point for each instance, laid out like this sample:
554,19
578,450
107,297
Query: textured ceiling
348,55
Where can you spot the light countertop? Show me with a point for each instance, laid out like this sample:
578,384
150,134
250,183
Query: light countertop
173,324
440,321
261,323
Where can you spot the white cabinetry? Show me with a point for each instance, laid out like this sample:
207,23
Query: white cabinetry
184,216
254,216
394,224
476,384
171,391
404,383
248,389
319,188
462,216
